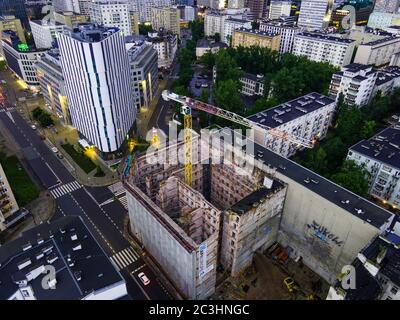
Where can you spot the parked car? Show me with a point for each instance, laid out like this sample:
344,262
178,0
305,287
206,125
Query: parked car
54,149
60,156
143,278
33,127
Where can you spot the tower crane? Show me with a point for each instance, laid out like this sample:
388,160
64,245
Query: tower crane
188,104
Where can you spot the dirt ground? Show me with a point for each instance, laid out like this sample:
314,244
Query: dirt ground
264,281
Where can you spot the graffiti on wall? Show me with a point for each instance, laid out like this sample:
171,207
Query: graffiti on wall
316,230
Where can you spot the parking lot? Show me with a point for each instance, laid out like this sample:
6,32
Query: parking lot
199,82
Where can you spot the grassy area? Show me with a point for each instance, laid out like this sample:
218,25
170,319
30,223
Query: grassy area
78,156
21,184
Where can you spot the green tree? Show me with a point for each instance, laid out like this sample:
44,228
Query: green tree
368,129
227,96
352,177
217,37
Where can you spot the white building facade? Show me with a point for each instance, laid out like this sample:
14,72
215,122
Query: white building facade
111,13
98,85
166,46
45,33
231,24
324,48
287,34
378,52
278,8
315,14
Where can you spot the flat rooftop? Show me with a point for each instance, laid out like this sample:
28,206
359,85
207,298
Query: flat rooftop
253,77
343,198
387,74
254,198
291,110
57,240
90,32
257,32
383,147
381,41
323,37
356,67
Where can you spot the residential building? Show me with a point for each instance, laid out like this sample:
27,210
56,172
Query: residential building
15,8
45,32
214,22
287,33
83,270
395,30
111,13
324,48
66,6
247,38
51,81
307,117
391,6
387,80
204,45
166,18
381,158
381,20
378,52
315,14
356,82
96,72
21,59
278,8
8,204
144,7
217,4
70,19
252,84
188,13
376,270
84,7
230,25
143,61
166,45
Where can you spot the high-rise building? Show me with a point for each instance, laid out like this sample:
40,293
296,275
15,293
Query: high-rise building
66,6
144,71
16,8
236,4
390,6
44,32
69,18
51,81
134,16
166,18
166,45
315,14
8,205
84,7
144,7
256,8
111,13
278,8
230,25
97,79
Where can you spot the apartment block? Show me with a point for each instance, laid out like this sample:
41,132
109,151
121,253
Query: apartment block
324,48
166,45
45,32
143,61
51,82
378,52
134,17
214,22
204,45
307,117
252,84
315,14
356,82
380,156
247,38
232,24
166,18
391,6
111,13
381,20
70,19
287,33
8,204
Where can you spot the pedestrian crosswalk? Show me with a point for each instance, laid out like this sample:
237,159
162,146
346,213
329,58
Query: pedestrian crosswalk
119,191
65,188
125,258
124,201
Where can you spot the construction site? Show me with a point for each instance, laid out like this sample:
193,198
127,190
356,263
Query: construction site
218,222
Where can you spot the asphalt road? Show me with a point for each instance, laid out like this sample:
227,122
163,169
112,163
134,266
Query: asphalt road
105,222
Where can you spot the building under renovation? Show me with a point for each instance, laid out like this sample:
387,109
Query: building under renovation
235,208
183,227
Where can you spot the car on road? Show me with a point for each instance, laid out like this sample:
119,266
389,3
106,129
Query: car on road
60,156
33,127
54,149
143,278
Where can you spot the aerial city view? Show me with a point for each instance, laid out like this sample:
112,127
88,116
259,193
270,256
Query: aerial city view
209,151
